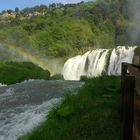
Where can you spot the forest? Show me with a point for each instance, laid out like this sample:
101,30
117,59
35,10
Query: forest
65,30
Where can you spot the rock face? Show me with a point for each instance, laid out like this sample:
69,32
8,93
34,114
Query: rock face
98,62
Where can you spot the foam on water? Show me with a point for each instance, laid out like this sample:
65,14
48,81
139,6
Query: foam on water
25,105
14,126
2,85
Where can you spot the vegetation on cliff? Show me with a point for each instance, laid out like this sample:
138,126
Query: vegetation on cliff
64,30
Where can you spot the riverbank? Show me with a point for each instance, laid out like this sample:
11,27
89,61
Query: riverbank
92,114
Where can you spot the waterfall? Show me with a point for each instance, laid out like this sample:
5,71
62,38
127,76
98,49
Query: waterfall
97,62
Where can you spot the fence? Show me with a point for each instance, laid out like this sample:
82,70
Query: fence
130,111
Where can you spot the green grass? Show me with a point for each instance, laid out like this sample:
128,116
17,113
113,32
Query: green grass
13,72
92,114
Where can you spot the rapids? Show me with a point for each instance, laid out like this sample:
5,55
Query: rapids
24,105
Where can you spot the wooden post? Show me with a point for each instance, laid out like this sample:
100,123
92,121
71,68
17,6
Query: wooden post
128,106
136,60
123,73
124,68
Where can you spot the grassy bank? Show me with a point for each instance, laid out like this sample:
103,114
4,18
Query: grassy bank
13,72
92,114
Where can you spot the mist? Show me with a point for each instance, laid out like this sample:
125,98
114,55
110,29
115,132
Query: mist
14,53
134,15
8,54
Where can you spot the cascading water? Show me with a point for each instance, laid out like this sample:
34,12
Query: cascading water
97,62
119,55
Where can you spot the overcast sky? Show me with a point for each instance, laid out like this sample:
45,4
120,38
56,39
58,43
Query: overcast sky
12,4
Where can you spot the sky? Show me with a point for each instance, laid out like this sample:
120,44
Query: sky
12,4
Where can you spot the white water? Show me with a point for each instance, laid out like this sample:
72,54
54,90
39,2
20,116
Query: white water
1,85
25,105
97,62
117,57
15,125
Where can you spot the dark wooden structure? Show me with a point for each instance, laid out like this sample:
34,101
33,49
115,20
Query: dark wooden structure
130,111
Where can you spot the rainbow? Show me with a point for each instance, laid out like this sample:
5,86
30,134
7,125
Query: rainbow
54,65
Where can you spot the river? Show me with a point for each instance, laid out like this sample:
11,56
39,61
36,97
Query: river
25,105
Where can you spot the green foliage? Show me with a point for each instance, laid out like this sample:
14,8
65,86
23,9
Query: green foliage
13,72
63,36
84,78
14,36
91,114
57,77
65,111
63,30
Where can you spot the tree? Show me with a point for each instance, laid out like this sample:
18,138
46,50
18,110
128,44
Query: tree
29,27
43,8
52,6
59,5
26,11
17,11
40,26
9,11
3,12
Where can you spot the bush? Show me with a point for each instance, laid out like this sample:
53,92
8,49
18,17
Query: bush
13,72
57,77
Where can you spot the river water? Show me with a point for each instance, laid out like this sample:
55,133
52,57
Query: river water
24,105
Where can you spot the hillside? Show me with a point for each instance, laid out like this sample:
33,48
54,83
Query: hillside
65,30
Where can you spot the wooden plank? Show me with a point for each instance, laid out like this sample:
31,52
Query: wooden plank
136,60
124,68
137,103
128,111
136,128
137,86
130,106
136,133
137,89
134,71
122,94
138,124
